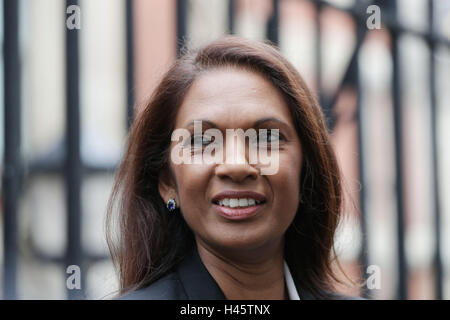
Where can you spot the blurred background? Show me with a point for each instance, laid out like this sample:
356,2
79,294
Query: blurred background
72,78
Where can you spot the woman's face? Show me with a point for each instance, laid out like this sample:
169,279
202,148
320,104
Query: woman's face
231,98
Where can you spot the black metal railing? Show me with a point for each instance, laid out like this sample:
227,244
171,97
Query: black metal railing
350,77
73,168
12,174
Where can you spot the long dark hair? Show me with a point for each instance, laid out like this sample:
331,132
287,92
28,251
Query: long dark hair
150,243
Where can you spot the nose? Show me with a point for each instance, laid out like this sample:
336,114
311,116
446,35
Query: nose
236,165
236,172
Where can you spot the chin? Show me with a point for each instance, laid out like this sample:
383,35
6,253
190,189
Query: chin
241,241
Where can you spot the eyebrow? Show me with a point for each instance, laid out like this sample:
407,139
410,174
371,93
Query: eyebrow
255,124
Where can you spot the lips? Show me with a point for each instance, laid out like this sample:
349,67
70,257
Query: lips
237,214
223,203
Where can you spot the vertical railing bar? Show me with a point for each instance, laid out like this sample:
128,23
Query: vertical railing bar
181,24
73,169
272,31
399,160
434,157
12,159
130,61
360,35
329,103
362,170
231,15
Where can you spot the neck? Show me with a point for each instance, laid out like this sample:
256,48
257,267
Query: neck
256,274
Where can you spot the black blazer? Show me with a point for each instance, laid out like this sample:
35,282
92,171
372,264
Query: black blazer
192,281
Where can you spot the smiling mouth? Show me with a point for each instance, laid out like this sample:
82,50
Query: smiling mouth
238,209
238,202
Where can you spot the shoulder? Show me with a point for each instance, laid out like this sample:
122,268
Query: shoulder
168,287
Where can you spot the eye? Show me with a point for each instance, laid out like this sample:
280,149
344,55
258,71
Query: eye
269,136
201,140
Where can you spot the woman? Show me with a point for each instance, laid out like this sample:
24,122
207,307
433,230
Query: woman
227,228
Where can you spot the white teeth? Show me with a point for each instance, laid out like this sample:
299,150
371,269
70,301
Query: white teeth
234,202
243,203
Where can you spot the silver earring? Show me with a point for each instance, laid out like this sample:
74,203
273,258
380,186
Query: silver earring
171,205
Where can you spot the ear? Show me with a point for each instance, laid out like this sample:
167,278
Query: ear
167,185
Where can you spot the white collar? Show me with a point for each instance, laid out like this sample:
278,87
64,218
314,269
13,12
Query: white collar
292,290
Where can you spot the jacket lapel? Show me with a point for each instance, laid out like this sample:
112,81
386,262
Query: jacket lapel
200,285
196,280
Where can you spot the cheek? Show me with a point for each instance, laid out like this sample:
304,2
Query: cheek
285,184
192,181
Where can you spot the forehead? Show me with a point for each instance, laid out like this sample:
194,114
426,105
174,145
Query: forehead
232,97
